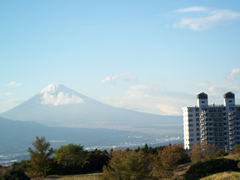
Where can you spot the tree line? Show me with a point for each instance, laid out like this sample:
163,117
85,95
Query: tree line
73,159
138,164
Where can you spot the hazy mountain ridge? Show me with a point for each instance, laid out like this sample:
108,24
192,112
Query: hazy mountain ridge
18,136
57,105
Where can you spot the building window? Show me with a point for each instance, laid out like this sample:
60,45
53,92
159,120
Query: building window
203,101
230,101
197,114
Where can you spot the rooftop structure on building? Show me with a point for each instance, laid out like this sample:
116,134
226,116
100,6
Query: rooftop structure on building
218,124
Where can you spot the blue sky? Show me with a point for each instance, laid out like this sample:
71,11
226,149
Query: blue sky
150,56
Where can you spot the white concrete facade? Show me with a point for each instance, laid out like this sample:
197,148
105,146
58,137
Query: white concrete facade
218,124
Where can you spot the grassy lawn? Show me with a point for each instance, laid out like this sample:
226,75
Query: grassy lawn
93,176
233,157
179,173
223,176
181,170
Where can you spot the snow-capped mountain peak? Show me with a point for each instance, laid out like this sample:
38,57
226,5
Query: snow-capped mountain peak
52,88
55,95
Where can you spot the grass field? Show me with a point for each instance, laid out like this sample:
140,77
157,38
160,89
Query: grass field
223,176
93,176
179,173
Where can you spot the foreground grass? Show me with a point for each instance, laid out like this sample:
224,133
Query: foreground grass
233,157
179,173
223,176
181,170
93,176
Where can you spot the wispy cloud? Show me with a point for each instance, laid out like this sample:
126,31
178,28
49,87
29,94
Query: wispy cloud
202,84
110,79
207,20
234,74
14,84
6,94
152,99
126,76
192,9
14,101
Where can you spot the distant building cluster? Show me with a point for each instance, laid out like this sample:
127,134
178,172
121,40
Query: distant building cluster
213,123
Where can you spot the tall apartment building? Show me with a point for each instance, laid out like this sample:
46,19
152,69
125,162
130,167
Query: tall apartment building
218,124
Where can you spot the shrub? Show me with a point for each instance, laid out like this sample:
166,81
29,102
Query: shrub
237,149
127,165
14,175
221,153
203,151
167,159
206,168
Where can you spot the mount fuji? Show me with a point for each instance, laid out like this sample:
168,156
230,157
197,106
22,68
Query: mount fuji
57,105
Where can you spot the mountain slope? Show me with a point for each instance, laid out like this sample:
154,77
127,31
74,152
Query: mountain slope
57,105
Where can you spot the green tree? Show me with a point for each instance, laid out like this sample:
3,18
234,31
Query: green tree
70,156
127,165
39,162
95,160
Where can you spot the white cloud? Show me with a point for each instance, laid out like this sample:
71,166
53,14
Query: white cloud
235,74
201,84
60,99
6,94
192,9
14,84
208,20
14,101
152,99
127,77
220,90
110,79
